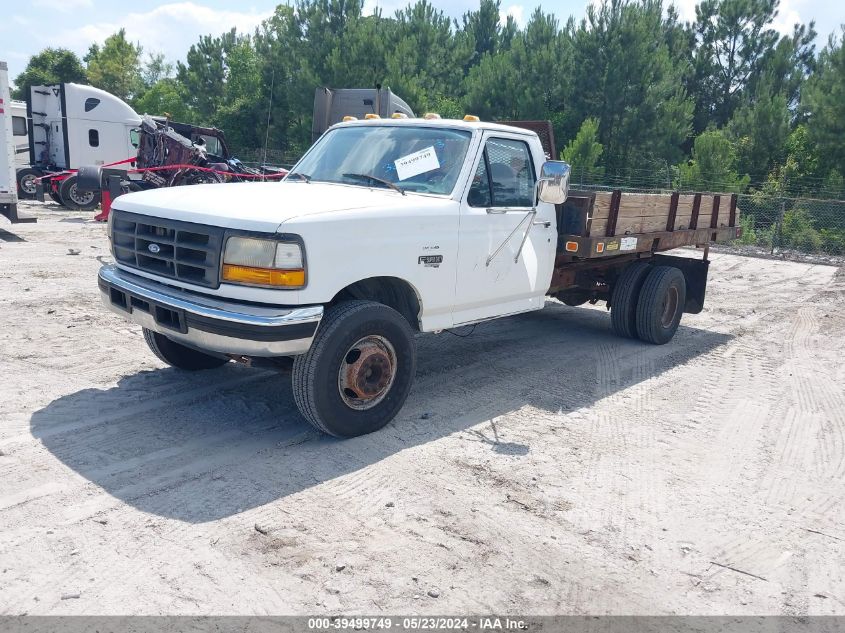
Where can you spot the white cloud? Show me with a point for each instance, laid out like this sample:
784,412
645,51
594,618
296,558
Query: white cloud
169,28
788,14
451,8
516,11
686,9
63,6
387,7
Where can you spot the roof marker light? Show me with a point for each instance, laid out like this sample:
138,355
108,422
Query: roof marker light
350,118
398,115
429,116
371,115
471,118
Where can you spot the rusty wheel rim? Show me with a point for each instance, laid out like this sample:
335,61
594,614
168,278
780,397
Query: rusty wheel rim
367,372
670,307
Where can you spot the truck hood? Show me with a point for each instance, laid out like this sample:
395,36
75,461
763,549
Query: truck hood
259,206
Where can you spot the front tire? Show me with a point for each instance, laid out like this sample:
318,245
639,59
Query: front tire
358,372
27,182
661,304
179,356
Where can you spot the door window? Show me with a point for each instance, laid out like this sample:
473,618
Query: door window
505,176
479,191
18,126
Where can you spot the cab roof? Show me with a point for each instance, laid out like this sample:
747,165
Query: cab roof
454,124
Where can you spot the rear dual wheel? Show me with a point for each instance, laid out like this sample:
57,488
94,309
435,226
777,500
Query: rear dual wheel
648,302
623,301
73,198
661,305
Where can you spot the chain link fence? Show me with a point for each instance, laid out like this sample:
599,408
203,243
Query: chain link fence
809,225
256,157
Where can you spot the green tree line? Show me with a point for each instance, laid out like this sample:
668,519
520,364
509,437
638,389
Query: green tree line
637,97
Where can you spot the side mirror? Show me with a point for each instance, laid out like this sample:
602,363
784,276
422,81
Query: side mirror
553,185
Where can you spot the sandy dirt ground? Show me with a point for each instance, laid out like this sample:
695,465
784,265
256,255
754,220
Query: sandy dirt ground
540,465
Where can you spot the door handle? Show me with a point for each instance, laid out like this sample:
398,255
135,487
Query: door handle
501,210
544,223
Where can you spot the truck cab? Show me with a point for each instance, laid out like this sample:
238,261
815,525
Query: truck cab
72,125
384,229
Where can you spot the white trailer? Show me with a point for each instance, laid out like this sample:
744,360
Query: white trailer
8,188
71,125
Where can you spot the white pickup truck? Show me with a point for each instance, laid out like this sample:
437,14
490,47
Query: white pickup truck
384,229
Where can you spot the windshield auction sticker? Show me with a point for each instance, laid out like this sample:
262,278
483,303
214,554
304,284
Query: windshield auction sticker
416,163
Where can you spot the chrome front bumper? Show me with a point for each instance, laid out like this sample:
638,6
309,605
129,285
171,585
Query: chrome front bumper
209,323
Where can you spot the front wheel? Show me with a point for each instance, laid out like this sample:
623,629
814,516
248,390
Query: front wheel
28,182
179,356
357,374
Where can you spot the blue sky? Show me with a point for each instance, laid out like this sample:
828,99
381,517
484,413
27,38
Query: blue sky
170,27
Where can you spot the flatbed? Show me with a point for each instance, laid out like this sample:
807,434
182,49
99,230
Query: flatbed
601,232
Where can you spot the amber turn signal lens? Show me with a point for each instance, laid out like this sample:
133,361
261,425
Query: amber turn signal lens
264,276
571,247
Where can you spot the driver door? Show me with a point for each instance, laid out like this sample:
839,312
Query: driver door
506,252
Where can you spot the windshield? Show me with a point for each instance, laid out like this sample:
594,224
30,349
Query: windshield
212,144
419,159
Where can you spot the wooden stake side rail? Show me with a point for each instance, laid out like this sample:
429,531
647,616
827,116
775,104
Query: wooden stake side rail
605,224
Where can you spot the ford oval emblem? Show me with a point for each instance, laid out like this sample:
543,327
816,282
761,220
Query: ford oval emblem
154,248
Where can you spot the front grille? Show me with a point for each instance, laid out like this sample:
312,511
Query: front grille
169,248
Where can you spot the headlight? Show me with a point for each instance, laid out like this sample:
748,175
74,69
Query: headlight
249,260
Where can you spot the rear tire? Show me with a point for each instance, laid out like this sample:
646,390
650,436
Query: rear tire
72,198
179,356
27,178
54,195
661,304
358,372
623,301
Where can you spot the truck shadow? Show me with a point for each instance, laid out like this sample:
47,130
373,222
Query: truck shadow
8,236
203,446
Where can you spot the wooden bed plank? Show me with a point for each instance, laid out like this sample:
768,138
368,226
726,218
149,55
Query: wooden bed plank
649,212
